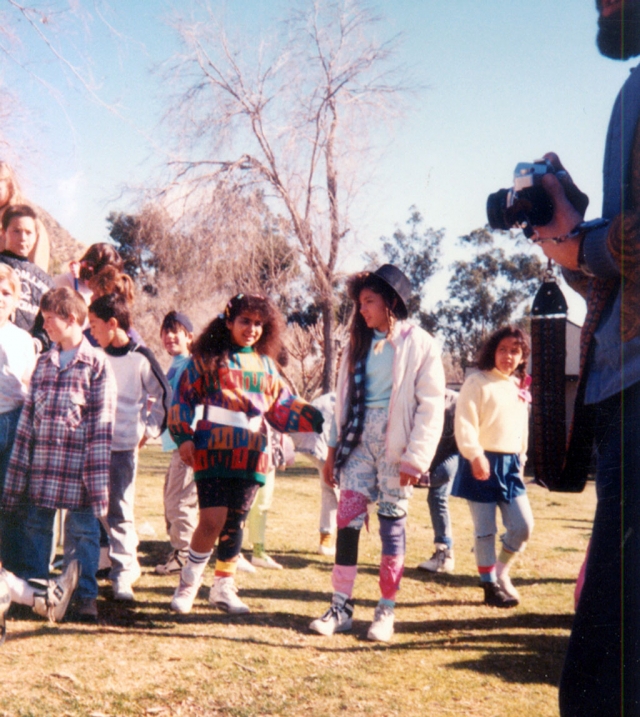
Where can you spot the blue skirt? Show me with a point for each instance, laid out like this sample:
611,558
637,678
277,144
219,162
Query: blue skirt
503,485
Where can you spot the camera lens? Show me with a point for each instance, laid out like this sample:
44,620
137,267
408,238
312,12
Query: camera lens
496,206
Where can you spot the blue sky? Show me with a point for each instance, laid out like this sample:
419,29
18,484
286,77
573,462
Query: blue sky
505,81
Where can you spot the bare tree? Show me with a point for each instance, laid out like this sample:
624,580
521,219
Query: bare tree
292,116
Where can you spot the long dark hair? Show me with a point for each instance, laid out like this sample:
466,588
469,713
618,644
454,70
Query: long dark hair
486,359
360,335
213,346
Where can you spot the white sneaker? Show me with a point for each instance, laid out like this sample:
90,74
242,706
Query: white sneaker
224,595
122,590
441,561
244,565
338,618
53,602
381,629
173,564
505,584
327,550
183,597
265,561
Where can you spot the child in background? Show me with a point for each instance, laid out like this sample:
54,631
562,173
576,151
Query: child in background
282,455
491,427
389,411
139,379
315,446
17,361
19,233
60,459
233,375
439,481
180,495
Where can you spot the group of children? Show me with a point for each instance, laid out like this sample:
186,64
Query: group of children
81,412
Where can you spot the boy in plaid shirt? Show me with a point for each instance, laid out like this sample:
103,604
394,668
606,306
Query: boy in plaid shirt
62,451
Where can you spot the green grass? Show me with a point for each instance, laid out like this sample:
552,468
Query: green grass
450,655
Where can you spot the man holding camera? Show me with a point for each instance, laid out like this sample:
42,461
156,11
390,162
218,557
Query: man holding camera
601,259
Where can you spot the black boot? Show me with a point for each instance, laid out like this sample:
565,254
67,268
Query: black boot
496,597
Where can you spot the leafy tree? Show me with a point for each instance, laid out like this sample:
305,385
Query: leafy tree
417,253
489,290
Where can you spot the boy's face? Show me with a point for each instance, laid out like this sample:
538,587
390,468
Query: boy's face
20,235
176,343
58,329
8,301
102,331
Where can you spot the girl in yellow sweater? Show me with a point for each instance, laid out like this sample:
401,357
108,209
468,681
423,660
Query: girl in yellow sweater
491,427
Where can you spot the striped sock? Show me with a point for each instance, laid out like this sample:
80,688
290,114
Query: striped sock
193,569
487,573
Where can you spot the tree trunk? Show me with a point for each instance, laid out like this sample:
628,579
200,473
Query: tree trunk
327,336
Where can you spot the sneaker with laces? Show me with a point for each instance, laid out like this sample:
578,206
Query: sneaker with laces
338,618
441,561
184,595
265,561
53,601
173,563
381,629
494,596
224,595
507,587
244,565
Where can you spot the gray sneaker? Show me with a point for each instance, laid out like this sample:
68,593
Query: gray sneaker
173,564
381,629
441,561
53,600
338,618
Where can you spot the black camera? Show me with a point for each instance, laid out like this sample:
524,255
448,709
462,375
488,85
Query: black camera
526,204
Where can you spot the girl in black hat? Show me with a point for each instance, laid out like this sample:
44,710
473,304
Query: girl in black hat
387,424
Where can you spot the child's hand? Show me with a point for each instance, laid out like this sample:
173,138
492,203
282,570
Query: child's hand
480,468
327,469
187,453
408,479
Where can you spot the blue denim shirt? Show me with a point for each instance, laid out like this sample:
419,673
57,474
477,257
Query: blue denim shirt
614,365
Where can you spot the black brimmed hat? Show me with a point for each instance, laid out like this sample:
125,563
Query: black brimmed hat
393,277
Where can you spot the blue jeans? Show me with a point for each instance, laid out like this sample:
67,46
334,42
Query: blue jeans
81,542
123,539
438,499
601,676
9,521
517,518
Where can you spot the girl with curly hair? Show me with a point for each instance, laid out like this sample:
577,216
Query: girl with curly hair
233,375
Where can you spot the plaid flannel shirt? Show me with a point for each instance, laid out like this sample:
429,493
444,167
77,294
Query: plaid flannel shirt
62,451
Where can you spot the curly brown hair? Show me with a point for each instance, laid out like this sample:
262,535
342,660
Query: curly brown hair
486,359
213,346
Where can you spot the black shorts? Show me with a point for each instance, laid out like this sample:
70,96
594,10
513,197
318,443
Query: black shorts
221,492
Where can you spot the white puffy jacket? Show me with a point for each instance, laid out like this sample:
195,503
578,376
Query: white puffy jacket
416,408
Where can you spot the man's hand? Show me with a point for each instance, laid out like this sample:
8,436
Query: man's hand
565,218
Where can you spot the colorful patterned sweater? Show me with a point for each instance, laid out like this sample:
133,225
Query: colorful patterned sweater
249,384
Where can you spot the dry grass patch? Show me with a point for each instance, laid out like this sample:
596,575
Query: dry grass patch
450,655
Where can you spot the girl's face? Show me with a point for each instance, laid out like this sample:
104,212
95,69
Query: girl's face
508,355
8,301
374,310
246,329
